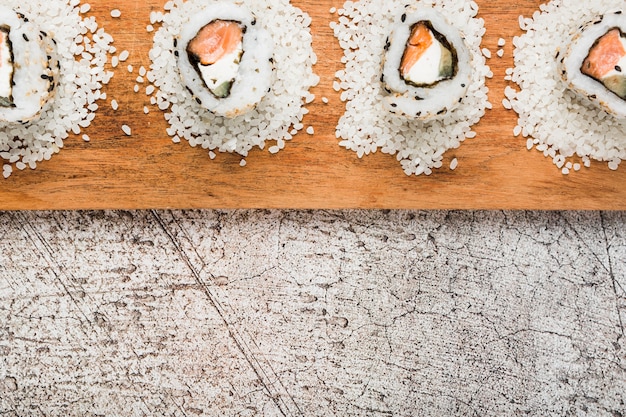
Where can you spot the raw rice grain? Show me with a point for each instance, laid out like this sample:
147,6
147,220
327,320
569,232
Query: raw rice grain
366,127
80,83
280,111
562,125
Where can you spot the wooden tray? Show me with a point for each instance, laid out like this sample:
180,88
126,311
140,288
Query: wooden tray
147,170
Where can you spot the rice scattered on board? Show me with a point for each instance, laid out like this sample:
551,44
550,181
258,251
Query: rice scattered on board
277,115
563,126
366,126
80,83
116,13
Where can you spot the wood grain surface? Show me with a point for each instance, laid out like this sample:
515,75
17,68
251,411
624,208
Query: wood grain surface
147,170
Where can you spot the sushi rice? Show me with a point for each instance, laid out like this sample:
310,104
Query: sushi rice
277,116
557,121
29,68
82,51
367,125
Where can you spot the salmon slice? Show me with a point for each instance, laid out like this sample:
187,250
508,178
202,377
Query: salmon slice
213,41
604,55
421,39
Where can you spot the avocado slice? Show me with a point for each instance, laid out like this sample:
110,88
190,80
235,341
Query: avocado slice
616,84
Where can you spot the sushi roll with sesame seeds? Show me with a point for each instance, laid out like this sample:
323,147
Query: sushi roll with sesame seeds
28,69
426,65
594,64
225,58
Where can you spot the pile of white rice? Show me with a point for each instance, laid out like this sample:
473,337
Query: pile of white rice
279,115
566,128
82,50
366,126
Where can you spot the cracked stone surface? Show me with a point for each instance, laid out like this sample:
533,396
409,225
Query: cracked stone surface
312,313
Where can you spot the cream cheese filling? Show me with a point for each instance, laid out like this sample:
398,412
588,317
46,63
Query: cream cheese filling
426,68
223,71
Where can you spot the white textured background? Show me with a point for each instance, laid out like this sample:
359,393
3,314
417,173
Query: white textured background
287,313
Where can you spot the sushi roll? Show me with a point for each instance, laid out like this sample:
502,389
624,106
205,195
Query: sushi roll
594,64
226,59
28,69
426,66
251,93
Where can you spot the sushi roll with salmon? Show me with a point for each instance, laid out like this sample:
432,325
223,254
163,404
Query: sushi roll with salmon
28,69
594,64
226,59
426,66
